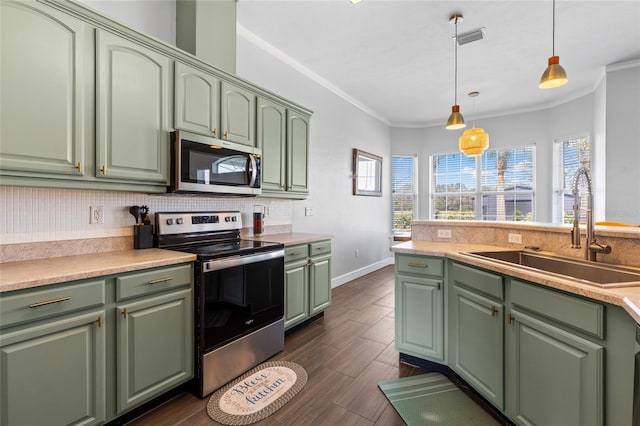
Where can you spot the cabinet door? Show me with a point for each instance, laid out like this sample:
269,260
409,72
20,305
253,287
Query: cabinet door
476,330
296,286
556,376
42,110
420,317
271,138
319,284
197,101
53,373
238,114
132,111
155,346
297,152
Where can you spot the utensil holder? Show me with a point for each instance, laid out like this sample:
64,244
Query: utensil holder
142,236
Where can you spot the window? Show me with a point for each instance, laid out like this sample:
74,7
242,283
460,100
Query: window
404,190
569,155
499,185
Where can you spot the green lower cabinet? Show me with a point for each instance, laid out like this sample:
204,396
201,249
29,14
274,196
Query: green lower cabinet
319,284
419,317
476,345
53,372
556,376
296,287
155,346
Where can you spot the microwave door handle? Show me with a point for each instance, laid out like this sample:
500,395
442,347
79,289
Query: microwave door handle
253,170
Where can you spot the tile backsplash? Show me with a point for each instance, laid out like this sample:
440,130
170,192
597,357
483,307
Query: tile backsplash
29,215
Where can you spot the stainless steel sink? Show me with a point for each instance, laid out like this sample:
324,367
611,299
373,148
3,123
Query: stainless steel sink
602,275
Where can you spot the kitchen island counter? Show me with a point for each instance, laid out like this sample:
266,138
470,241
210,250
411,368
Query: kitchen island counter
626,297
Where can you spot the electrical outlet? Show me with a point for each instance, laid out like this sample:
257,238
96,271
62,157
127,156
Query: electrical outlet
96,215
444,233
515,238
308,211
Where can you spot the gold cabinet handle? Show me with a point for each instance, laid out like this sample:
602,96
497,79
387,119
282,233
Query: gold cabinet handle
438,285
103,169
494,311
510,318
418,265
226,134
124,313
295,254
215,131
99,321
160,280
79,167
49,302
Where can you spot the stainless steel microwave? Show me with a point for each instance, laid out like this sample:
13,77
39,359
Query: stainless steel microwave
200,164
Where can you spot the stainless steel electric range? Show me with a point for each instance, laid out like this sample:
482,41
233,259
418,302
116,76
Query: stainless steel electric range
239,293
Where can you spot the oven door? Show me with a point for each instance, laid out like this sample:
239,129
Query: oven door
239,295
202,164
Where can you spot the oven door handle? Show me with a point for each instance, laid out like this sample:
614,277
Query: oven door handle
230,262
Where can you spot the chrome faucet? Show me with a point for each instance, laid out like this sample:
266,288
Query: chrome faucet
592,247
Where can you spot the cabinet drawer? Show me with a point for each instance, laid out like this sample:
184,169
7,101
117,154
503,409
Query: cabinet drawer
296,252
419,265
580,314
31,305
321,247
478,280
152,281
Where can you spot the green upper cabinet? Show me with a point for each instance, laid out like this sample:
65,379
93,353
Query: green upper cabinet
271,139
297,152
42,115
238,114
197,101
132,117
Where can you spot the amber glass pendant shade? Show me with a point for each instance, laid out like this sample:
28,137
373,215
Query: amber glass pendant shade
554,75
473,142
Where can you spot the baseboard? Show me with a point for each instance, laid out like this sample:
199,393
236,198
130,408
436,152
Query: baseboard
343,279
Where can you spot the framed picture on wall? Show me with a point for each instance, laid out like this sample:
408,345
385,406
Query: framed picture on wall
367,173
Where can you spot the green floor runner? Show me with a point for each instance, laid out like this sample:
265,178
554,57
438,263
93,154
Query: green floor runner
431,399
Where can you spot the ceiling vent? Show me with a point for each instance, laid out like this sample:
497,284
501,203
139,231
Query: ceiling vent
471,36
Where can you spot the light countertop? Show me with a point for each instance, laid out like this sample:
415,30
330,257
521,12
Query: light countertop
290,238
39,272
626,297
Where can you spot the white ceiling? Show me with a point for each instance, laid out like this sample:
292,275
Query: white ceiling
395,59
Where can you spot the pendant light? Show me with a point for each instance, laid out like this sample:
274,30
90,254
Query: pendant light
473,142
554,75
456,120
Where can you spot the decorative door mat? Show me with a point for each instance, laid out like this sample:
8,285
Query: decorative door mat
432,399
257,394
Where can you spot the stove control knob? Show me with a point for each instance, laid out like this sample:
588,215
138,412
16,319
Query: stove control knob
227,219
234,219
169,221
179,221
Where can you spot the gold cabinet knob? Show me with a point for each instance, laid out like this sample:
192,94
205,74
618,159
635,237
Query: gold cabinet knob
226,134
215,131
79,167
494,311
103,169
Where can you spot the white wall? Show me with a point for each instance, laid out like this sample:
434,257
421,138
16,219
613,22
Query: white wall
156,18
623,147
356,222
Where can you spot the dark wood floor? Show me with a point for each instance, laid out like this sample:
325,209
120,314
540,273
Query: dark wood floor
346,353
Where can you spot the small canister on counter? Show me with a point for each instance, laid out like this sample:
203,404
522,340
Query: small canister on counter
258,220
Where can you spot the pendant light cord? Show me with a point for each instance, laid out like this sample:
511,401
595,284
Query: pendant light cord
455,70
553,31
